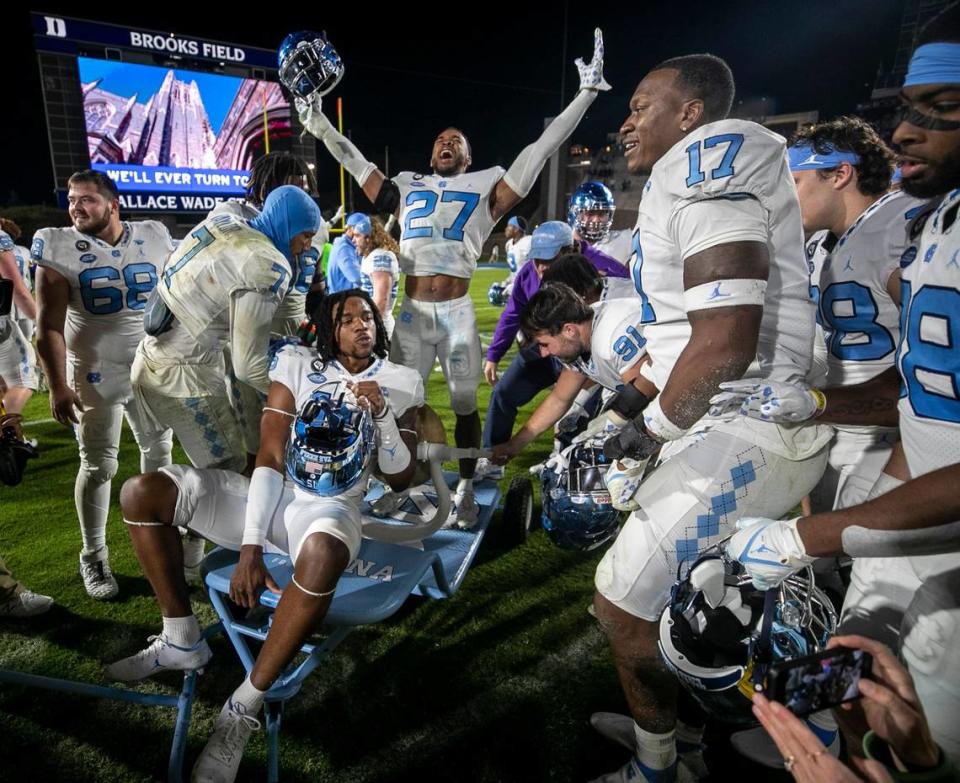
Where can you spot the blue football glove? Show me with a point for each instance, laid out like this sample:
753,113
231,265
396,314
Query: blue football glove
769,549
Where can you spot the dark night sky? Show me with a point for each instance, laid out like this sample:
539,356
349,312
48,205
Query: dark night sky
493,69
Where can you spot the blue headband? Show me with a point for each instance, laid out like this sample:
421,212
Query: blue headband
934,63
803,157
288,211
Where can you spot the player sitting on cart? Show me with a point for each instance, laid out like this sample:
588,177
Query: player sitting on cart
333,414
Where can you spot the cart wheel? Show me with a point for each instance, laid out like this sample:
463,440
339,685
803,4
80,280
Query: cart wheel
517,517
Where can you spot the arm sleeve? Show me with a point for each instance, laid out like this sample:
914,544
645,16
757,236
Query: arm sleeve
509,323
718,221
251,313
522,175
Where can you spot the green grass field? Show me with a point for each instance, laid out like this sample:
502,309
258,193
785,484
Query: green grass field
495,684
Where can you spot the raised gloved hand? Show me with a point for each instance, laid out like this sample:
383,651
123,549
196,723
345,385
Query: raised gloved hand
591,73
312,117
769,549
774,401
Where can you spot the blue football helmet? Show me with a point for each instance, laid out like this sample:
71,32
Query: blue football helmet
713,637
577,512
592,197
497,294
309,65
329,445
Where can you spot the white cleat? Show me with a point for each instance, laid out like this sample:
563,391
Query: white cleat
98,579
758,746
615,727
26,603
467,508
485,469
220,758
160,656
634,771
388,503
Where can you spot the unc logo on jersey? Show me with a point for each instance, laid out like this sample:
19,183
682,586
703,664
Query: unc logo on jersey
316,377
442,184
116,253
82,245
88,258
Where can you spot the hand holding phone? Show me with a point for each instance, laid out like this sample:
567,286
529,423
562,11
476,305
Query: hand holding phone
816,682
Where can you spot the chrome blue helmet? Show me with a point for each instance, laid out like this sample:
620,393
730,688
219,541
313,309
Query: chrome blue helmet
329,445
595,198
497,294
577,512
719,634
309,65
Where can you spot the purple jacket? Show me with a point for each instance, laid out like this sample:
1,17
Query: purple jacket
526,284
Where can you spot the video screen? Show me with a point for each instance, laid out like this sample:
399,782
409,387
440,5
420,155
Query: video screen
810,684
168,130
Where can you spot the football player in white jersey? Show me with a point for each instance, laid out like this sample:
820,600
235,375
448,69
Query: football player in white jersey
268,173
842,170
516,248
92,287
290,504
600,341
18,362
22,256
219,290
379,268
590,215
718,266
445,217
909,526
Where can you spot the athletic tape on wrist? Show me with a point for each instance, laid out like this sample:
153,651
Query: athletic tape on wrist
393,456
725,293
657,422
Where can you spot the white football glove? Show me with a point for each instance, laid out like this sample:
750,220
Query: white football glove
591,73
769,549
602,427
571,419
774,401
312,117
623,479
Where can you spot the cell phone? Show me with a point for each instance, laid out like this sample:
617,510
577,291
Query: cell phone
815,682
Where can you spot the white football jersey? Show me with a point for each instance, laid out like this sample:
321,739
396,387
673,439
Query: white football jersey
221,256
109,285
727,164
927,357
616,344
445,221
616,244
381,260
517,251
861,323
292,309
618,288
307,376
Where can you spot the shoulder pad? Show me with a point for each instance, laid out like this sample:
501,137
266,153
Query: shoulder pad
722,159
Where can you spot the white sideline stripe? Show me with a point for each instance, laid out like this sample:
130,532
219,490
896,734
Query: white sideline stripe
38,421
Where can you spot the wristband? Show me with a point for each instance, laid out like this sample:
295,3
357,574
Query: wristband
820,400
659,425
